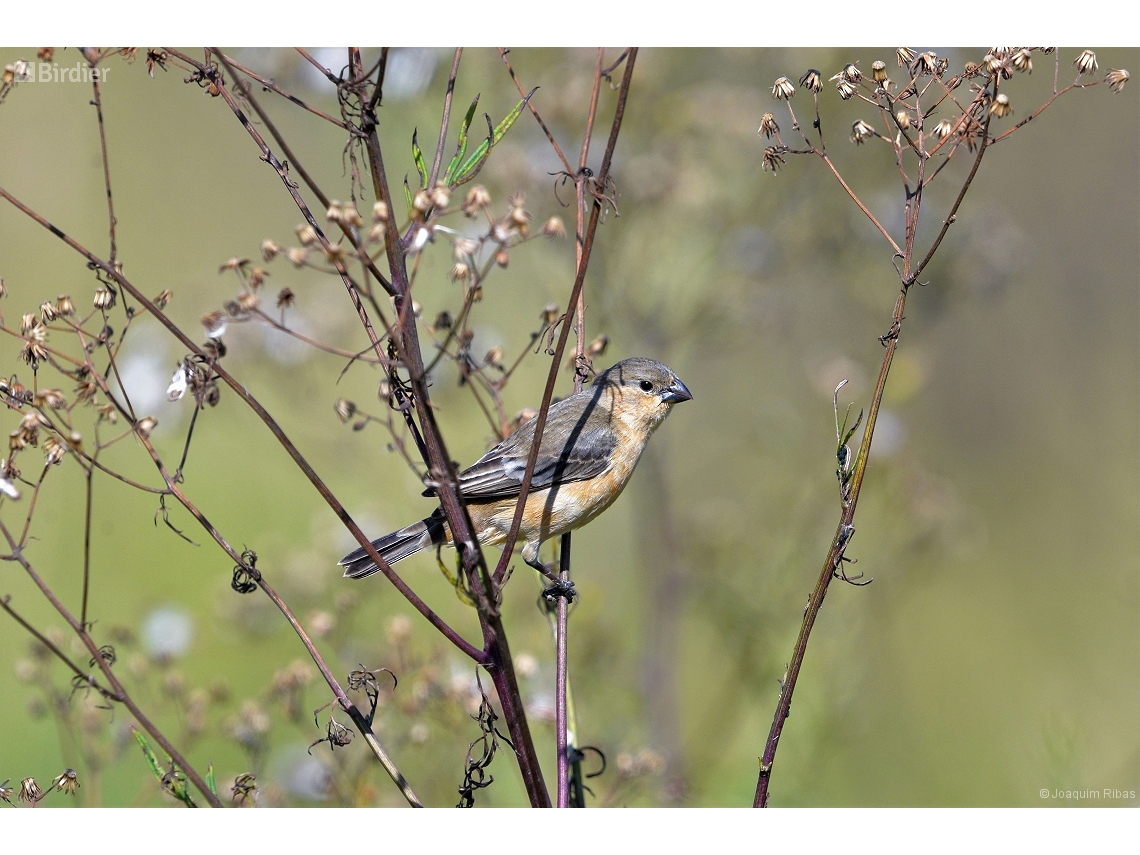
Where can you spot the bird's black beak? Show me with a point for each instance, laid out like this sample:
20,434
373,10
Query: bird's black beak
676,392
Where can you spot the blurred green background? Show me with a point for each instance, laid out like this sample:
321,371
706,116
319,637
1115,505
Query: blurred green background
994,656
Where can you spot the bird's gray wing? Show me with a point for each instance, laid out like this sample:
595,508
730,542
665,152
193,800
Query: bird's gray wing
577,444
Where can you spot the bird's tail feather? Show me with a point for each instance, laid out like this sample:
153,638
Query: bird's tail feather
399,544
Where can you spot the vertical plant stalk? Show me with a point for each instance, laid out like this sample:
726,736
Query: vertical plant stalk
496,655
562,617
846,529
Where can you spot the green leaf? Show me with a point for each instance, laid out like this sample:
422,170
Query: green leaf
210,782
151,760
408,196
418,157
461,147
474,163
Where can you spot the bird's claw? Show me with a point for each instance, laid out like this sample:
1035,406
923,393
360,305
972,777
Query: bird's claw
559,589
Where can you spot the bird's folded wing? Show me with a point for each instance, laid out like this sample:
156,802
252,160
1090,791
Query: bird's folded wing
577,444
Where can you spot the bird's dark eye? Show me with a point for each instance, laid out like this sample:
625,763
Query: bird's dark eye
646,386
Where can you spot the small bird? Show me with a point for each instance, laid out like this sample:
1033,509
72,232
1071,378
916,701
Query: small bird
591,443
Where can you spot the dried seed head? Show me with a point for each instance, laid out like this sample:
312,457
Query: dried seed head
345,409
247,301
215,324
850,72
306,234
50,398
783,89
878,71
904,55
554,228
943,128
376,233
464,248
812,80
334,214
1001,106
772,159
420,239
971,69
285,298
476,200
335,252
28,323
845,88
443,321
1023,61
54,450
494,357
257,277
861,132
1116,79
518,214
903,119
1086,62
460,272
269,249
598,346
163,299
146,425
502,257
108,413
234,264
30,791
67,782
104,298
297,256
768,126
421,203
384,388
64,306
380,212
992,63
440,196
549,314
48,312
475,294
924,63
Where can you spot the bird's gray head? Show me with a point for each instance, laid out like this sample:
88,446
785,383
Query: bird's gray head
646,377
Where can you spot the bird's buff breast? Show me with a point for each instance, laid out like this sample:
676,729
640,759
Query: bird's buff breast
555,510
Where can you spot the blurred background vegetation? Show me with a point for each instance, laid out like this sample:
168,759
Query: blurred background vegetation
996,653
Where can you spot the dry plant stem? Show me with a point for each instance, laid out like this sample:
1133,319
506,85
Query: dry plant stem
534,112
496,655
301,462
5,604
562,619
845,529
347,705
120,694
98,102
560,348
444,121
270,85
291,158
87,541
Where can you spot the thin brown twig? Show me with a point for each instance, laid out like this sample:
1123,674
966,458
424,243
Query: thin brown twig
105,668
534,112
444,121
846,529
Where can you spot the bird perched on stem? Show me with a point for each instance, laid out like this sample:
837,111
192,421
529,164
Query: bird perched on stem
591,443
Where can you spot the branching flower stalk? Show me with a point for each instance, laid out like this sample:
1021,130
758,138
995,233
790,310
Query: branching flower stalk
905,118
